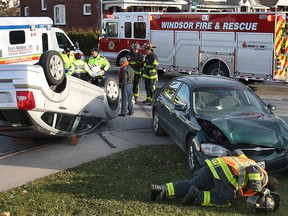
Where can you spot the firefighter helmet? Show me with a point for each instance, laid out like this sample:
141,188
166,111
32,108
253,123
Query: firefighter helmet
267,203
148,46
135,46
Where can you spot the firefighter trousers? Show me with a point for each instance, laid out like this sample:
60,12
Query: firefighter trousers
212,192
136,85
150,86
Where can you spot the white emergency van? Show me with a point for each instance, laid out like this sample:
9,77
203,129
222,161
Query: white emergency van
24,39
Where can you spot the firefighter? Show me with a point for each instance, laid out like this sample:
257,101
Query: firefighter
136,60
126,77
97,60
80,69
220,180
150,74
68,58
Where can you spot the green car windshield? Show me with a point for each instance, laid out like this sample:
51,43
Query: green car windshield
206,101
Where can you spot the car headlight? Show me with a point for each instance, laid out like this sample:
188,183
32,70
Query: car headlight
214,150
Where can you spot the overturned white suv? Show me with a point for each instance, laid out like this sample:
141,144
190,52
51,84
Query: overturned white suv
40,100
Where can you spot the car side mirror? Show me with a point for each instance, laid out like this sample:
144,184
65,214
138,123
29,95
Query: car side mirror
180,107
271,106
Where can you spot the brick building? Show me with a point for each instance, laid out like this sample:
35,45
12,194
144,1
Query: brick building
66,14
86,14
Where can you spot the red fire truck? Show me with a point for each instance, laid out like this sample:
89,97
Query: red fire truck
249,46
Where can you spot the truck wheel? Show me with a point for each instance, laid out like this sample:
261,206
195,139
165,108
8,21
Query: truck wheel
214,69
53,66
111,89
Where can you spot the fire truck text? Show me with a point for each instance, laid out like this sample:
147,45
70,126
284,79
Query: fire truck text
228,26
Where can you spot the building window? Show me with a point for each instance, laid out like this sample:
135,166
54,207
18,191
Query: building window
26,11
43,5
59,15
86,9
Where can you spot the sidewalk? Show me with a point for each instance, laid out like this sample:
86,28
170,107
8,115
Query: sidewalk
24,167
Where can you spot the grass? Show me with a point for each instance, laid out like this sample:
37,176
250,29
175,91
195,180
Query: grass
116,185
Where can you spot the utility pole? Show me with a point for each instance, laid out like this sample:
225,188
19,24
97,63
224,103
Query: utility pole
101,14
189,5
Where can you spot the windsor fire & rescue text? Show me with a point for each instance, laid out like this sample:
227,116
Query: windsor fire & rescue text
244,26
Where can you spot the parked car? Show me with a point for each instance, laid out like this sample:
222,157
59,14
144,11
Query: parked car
40,100
210,116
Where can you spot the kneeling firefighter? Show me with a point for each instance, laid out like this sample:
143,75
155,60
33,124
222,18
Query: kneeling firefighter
220,180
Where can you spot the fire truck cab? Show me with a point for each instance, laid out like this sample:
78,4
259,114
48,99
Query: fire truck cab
249,46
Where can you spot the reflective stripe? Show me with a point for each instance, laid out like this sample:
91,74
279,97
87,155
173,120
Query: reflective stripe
228,173
149,66
206,200
242,156
137,72
150,77
241,171
215,174
255,176
170,188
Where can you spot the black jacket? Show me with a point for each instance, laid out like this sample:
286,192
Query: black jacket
126,76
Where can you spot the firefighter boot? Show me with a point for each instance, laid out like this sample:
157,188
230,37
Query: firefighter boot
158,190
191,196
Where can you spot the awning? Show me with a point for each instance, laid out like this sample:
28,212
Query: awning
124,4
282,3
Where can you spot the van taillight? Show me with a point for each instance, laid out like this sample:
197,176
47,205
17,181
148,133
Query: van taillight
25,100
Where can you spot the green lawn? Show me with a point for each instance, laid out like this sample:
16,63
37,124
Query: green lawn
116,185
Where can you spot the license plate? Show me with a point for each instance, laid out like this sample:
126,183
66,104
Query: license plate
261,163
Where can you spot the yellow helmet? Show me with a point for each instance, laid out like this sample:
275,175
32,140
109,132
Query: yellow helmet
148,46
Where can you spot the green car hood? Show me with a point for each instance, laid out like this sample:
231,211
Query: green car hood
256,129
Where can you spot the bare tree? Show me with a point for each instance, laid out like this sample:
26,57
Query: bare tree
8,7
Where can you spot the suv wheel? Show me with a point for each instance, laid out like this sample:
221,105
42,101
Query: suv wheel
53,66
